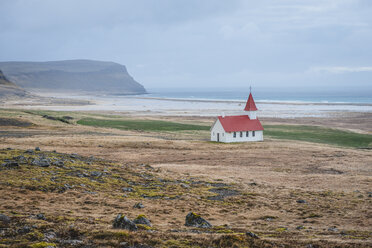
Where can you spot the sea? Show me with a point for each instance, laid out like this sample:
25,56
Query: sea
277,103
295,95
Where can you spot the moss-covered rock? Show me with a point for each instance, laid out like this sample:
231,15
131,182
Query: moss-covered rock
195,220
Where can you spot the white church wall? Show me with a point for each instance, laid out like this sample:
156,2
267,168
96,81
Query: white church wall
230,137
218,129
252,115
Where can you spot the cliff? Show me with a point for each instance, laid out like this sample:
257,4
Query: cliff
72,75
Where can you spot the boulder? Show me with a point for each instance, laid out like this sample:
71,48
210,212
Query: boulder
141,219
11,164
96,174
138,205
301,201
42,162
40,217
58,163
4,219
127,189
123,222
37,149
195,220
24,230
252,235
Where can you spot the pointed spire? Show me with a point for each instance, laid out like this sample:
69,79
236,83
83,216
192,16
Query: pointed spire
250,106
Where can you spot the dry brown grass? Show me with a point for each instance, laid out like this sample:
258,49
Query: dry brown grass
272,174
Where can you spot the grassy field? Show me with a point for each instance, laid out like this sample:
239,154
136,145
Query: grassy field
313,134
143,125
318,135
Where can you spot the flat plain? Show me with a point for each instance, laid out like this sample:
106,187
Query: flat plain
307,185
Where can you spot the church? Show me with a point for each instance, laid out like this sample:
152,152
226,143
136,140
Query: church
238,128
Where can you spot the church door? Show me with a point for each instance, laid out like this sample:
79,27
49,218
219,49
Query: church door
218,137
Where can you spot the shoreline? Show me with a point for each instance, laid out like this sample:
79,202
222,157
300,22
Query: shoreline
257,101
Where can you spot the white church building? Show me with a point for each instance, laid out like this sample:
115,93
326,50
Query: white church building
238,128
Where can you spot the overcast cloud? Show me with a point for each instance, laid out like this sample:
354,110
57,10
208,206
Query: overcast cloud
200,43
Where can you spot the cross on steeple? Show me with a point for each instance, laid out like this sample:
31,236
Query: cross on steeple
250,89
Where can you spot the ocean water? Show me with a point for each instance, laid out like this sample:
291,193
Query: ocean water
362,96
189,102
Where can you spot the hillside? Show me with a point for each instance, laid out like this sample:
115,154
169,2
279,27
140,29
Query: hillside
72,75
9,89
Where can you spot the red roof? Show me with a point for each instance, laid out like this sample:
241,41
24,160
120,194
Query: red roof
240,123
250,106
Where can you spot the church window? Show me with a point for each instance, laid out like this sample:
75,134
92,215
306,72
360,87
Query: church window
253,133
234,134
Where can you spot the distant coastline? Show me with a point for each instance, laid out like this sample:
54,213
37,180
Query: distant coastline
284,102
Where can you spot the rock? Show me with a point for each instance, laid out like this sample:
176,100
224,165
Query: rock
141,219
300,227
124,245
50,236
301,201
195,220
72,242
96,174
127,245
252,235
4,219
20,159
68,186
24,230
29,151
185,186
42,162
11,164
40,217
59,163
138,205
37,149
74,155
333,229
127,189
123,222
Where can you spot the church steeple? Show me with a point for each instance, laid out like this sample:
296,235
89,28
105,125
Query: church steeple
250,107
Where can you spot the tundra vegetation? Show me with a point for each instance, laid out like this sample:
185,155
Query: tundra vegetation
71,179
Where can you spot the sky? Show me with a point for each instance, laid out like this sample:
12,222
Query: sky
201,43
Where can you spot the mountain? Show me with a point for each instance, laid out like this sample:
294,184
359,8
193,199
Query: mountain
9,90
72,75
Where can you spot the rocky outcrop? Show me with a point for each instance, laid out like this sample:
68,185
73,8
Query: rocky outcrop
142,219
73,75
9,90
195,220
123,222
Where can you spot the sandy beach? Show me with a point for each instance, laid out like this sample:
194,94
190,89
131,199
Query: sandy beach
142,105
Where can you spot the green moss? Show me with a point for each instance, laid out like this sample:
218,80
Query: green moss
35,235
42,245
281,229
178,244
144,227
221,229
141,216
195,215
